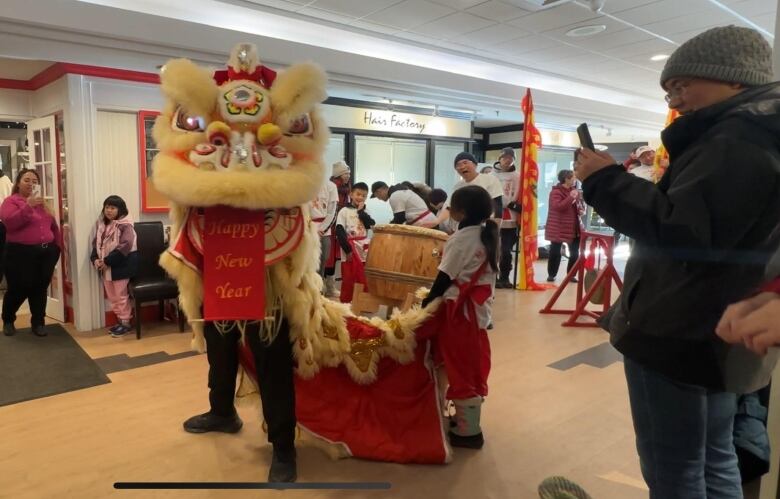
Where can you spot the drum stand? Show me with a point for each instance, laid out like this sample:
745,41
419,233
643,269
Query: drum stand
366,303
606,276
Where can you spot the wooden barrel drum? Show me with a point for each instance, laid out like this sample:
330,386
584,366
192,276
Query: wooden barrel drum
402,258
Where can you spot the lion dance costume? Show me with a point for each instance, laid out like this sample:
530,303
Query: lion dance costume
240,161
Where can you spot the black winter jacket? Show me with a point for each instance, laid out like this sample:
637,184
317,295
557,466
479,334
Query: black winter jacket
703,235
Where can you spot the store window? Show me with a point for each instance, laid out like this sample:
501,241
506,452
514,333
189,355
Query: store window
444,174
335,150
389,159
550,162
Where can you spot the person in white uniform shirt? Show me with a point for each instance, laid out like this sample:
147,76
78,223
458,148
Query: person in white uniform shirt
645,169
505,171
323,214
466,165
407,206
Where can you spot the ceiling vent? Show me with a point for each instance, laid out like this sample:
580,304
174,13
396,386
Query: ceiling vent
536,5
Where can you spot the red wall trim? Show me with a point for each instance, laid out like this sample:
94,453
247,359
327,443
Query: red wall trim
60,69
15,84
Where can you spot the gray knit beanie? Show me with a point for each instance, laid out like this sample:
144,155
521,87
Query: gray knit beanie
728,53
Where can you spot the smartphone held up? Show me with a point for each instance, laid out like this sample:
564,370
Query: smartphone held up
585,139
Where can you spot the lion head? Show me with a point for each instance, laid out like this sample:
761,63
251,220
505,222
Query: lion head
246,136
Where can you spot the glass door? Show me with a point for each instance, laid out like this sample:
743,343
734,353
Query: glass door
444,174
41,137
550,162
389,159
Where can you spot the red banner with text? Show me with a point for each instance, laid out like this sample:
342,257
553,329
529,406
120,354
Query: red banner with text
233,264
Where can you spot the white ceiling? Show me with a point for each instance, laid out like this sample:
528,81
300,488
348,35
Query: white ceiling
477,55
497,30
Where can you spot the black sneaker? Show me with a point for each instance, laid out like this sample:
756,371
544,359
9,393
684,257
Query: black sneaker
9,329
120,330
469,442
206,422
503,284
284,468
39,330
550,279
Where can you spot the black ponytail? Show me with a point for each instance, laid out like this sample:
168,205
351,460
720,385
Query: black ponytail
475,202
489,237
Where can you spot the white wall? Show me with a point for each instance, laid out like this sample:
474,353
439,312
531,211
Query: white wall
15,105
102,147
117,169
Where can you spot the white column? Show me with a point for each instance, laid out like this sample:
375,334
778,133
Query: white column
769,484
83,202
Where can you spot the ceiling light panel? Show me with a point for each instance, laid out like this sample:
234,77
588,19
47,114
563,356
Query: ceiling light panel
556,17
614,6
492,35
525,44
352,8
649,47
459,4
690,22
498,11
453,25
376,28
326,15
666,9
409,14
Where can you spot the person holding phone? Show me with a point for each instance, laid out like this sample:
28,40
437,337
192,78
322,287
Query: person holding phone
563,223
704,235
32,251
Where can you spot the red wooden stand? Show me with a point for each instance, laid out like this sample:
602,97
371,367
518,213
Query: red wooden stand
605,277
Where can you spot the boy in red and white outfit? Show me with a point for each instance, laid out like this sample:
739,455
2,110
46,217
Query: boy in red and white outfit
352,226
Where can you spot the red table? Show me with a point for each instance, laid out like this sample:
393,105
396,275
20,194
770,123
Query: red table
606,276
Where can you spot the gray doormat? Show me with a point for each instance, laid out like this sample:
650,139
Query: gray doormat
33,367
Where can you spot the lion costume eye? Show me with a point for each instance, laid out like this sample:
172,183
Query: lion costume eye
186,123
301,125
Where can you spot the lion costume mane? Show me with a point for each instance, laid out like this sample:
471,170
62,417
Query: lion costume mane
252,139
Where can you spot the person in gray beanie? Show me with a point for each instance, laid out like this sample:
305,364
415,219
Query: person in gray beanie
704,235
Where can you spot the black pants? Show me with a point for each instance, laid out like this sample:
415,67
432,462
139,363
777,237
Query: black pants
2,250
274,365
508,240
554,261
28,271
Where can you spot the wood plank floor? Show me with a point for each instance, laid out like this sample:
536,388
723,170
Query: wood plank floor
538,422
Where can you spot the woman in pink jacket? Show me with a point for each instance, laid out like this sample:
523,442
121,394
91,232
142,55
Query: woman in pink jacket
563,222
32,251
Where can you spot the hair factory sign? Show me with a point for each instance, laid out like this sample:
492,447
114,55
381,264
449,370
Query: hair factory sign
390,121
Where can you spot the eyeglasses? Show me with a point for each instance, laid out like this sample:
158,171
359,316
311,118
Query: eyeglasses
677,91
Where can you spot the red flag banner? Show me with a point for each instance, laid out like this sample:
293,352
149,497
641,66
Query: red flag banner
662,155
528,199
